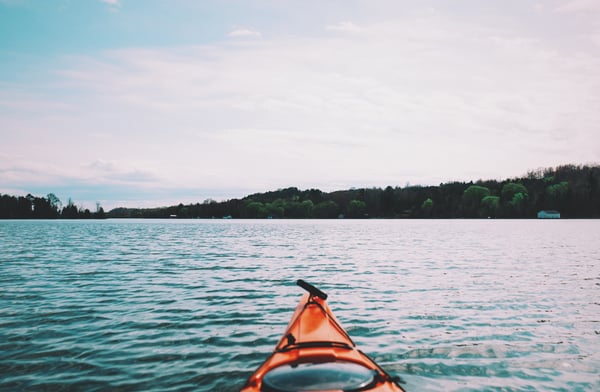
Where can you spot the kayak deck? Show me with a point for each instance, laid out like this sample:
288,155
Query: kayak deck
316,354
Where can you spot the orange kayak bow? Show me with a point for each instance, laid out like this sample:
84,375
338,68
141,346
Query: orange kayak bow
316,354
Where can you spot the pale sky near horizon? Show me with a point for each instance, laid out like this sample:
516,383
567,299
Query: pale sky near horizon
148,103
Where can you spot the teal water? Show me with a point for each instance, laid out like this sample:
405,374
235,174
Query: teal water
138,305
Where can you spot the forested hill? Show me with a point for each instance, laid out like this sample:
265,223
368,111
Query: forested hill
572,190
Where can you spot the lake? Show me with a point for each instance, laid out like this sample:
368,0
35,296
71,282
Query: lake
181,305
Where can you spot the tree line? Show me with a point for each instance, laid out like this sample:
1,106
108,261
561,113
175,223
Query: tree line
573,190
49,207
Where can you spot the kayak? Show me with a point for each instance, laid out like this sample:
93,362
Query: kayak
316,354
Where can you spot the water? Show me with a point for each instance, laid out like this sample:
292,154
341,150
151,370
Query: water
197,305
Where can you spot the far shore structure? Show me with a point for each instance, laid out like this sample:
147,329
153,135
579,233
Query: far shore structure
548,214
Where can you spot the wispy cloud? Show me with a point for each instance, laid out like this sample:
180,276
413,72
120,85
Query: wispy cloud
101,171
422,99
244,33
347,27
579,6
401,82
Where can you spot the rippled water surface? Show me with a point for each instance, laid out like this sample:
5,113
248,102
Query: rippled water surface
197,305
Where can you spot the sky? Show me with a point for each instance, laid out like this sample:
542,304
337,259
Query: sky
142,103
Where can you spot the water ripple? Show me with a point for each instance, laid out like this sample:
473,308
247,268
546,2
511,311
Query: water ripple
198,305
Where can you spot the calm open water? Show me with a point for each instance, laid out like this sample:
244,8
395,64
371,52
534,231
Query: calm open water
171,305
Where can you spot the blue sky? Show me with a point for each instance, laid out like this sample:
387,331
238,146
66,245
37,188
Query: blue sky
147,103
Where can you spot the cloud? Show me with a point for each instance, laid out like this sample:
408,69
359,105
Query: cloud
244,33
112,2
579,6
15,170
419,100
101,171
346,27
86,183
428,84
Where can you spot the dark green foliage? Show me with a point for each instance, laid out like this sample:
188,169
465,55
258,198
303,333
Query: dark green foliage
356,209
255,209
490,206
427,207
510,189
474,194
326,210
472,197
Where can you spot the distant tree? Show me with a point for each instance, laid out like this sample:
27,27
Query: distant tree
42,209
326,210
70,211
510,189
427,207
54,201
518,203
293,209
275,209
387,201
490,206
514,198
306,208
472,197
572,189
7,206
255,209
356,209
474,193
557,194
372,198
314,195
100,214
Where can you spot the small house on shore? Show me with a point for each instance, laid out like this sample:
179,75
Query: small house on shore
548,214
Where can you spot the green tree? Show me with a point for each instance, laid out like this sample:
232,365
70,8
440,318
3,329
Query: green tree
472,197
275,209
356,209
557,194
255,209
307,207
510,189
427,207
490,206
327,209
514,197
518,202
387,201
474,193
295,209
